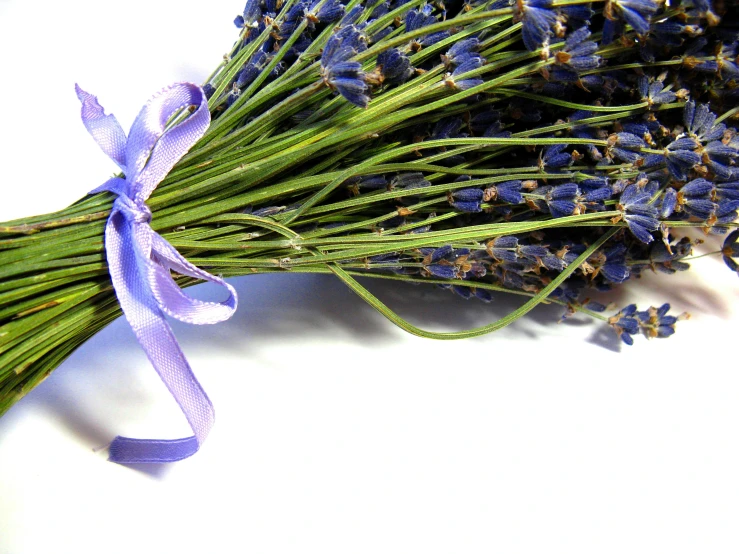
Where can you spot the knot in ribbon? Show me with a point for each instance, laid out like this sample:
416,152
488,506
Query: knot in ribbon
133,212
140,260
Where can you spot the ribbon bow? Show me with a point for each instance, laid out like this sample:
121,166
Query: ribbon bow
140,260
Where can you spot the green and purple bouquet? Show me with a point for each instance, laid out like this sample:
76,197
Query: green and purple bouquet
551,149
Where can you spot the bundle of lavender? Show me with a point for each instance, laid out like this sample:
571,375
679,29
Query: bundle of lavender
544,148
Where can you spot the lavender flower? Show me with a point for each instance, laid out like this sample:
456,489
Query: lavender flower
341,74
681,157
554,157
417,19
730,251
636,13
561,200
654,93
578,55
695,199
640,216
461,52
394,66
454,81
325,11
251,15
625,324
655,322
538,19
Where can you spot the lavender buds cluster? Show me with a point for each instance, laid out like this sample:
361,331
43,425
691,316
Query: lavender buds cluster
664,161
548,148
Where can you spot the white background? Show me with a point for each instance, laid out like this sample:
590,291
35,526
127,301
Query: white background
336,432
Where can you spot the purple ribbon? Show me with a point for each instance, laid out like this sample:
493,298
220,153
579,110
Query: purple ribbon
139,260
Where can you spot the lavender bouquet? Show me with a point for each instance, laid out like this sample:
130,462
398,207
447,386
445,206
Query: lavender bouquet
544,149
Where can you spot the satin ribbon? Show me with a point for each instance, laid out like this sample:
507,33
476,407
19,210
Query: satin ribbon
140,260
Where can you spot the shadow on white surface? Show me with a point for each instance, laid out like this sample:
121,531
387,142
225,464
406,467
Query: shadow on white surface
275,311
108,381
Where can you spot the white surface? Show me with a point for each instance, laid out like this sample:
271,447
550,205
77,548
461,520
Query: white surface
336,432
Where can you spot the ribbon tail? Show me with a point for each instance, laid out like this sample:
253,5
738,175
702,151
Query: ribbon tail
127,271
105,129
124,450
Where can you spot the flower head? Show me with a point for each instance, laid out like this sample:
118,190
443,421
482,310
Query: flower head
638,213
457,79
578,55
636,13
337,69
538,19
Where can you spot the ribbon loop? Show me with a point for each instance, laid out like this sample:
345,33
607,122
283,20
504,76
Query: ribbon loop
140,260
173,301
152,150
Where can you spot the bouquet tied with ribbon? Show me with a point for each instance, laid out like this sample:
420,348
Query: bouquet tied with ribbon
544,148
